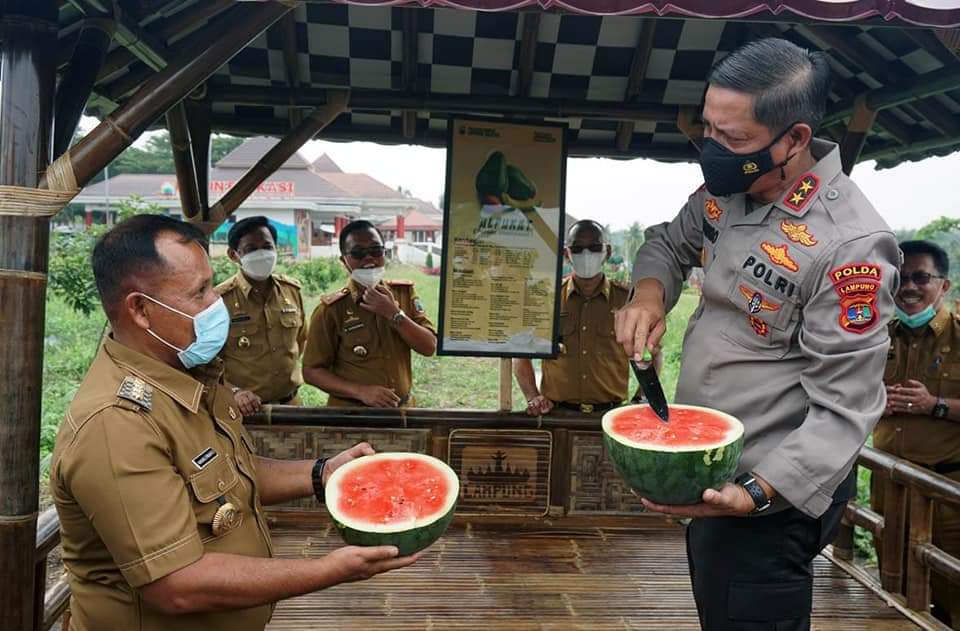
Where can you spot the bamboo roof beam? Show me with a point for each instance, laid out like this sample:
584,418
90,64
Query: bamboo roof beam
527,57
199,111
287,27
920,146
410,59
192,65
638,72
950,38
78,80
180,145
274,159
856,134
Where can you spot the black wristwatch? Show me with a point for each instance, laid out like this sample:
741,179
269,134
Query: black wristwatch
760,500
941,409
316,476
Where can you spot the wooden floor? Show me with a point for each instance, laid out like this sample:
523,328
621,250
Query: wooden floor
484,579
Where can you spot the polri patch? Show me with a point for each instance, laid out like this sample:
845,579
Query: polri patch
759,326
798,233
756,302
205,457
780,255
857,285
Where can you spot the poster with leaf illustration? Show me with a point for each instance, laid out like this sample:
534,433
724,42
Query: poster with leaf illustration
503,239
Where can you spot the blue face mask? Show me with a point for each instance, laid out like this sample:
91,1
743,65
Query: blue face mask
917,320
210,328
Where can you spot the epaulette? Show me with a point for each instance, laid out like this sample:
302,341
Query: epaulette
700,188
136,390
329,299
290,280
226,285
400,283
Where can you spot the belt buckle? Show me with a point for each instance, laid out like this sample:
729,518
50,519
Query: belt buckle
586,408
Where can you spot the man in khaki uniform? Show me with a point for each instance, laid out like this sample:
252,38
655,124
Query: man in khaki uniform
358,348
591,372
922,379
790,334
159,492
267,325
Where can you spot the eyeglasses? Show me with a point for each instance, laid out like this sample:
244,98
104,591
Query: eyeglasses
362,253
595,247
918,278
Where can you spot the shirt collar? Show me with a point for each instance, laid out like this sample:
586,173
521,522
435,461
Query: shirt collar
799,198
243,283
938,324
571,287
181,386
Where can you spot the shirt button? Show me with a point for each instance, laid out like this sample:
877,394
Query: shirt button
584,351
221,485
583,328
584,376
914,346
899,429
832,194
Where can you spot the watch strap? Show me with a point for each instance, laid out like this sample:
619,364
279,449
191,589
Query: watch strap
941,409
316,476
760,500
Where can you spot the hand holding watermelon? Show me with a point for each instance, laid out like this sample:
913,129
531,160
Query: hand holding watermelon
358,563
729,500
342,458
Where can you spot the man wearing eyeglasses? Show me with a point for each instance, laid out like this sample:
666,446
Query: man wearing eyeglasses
922,378
358,348
591,372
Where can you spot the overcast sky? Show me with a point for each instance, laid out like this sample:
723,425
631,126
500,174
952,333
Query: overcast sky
619,192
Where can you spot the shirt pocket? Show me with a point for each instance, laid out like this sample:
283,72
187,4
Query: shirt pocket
893,362
357,344
569,337
948,379
244,342
759,320
216,480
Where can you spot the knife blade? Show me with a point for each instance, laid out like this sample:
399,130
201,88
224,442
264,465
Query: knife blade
650,382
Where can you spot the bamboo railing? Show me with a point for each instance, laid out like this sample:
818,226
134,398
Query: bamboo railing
904,531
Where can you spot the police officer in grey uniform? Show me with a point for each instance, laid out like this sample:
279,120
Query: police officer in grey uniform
790,334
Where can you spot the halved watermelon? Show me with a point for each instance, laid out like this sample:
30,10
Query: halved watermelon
400,499
675,462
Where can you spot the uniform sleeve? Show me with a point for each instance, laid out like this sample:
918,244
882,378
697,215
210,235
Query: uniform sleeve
321,345
120,472
302,334
417,313
844,337
671,250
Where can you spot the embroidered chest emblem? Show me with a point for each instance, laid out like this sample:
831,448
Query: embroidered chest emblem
756,302
779,255
798,233
802,193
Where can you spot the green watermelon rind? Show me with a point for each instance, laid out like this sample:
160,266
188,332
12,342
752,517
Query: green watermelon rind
408,541
674,476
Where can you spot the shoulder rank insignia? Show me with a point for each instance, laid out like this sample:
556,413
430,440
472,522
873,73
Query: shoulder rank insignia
329,299
756,302
712,210
797,198
290,280
136,390
798,233
779,255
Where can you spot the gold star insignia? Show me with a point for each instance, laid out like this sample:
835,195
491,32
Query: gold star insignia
797,198
806,186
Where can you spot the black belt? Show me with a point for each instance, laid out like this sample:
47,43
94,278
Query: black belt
587,408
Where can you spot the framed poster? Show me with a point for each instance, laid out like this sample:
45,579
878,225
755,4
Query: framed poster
503,233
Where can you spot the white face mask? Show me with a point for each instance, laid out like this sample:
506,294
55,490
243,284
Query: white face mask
588,264
367,276
259,264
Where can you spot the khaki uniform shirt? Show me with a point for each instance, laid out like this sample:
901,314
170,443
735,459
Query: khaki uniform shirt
790,335
143,460
591,367
932,357
267,334
360,346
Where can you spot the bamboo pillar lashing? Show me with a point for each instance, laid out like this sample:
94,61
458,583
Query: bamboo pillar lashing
28,30
227,36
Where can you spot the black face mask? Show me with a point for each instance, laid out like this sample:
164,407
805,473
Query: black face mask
726,172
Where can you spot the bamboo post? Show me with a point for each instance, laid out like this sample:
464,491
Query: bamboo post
28,66
918,574
893,543
506,384
275,157
856,135
199,110
226,36
183,161
79,78
843,543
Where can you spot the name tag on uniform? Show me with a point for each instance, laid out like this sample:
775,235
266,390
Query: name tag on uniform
353,327
239,318
289,309
205,457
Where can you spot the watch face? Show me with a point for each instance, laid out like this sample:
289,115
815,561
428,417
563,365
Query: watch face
940,410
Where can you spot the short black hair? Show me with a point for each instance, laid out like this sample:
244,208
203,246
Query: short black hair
129,249
941,262
354,226
596,225
789,84
245,226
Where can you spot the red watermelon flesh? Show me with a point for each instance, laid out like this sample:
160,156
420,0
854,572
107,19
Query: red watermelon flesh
687,427
392,491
